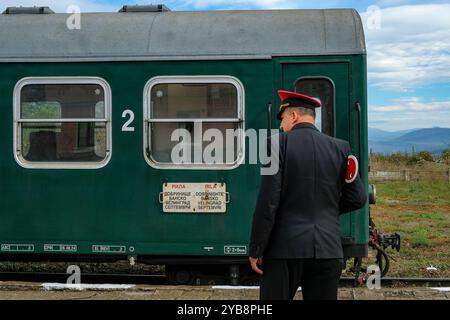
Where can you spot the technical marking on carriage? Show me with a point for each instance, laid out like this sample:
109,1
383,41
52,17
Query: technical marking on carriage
194,197
7,247
99,248
60,248
235,249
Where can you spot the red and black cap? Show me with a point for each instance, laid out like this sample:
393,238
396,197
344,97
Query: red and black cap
293,99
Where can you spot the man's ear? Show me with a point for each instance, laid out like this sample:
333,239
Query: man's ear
295,115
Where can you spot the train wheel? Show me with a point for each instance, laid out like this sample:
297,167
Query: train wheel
179,275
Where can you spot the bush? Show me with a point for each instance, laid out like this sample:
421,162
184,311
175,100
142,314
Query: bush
445,157
400,158
420,158
424,155
397,158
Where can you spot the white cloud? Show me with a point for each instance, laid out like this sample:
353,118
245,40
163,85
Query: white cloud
412,104
411,48
409,121
261,4
410,112
391,3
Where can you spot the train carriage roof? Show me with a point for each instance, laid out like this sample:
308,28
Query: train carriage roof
181,35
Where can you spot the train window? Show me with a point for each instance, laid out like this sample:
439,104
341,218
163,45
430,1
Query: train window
184,116
323,90
62,122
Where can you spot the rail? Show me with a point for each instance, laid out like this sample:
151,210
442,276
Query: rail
161,279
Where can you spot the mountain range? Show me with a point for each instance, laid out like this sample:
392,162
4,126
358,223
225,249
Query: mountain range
433,140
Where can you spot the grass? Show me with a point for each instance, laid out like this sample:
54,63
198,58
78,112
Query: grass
419,238
414,192
420,212
440,216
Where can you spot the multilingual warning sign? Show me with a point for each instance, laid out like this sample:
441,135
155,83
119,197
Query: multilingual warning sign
194,197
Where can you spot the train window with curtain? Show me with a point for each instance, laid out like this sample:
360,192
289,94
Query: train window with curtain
62,122
194,122
322,89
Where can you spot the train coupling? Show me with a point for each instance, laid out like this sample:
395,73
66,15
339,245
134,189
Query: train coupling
390,240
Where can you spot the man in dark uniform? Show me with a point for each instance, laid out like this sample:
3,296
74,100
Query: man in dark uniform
296,232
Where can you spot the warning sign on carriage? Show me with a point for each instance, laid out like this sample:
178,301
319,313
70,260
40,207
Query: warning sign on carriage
194,197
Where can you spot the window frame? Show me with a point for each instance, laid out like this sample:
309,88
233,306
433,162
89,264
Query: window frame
17,134
213,79
334,94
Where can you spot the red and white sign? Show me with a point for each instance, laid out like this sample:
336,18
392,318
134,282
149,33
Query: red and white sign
352,169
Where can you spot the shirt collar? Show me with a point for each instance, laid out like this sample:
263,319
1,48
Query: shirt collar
303,125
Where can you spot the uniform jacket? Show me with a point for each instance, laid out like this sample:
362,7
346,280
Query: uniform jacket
298,208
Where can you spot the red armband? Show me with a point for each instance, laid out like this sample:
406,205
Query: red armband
352,169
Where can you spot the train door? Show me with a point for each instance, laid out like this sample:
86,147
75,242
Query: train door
328,82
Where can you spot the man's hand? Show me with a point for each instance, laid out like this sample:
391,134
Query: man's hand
254,262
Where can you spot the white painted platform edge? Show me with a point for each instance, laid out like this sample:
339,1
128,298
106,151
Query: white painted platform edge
85,286
442,289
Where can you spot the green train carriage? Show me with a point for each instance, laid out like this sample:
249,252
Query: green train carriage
87,115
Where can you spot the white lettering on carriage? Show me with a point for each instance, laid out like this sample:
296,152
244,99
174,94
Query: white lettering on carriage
100,248
7,247
60,247
126,126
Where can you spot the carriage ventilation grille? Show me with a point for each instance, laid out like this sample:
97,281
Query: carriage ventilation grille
28,10
146,8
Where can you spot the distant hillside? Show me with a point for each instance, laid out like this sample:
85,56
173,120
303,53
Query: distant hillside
431,139
381,135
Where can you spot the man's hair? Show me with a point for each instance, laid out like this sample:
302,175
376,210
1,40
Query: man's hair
305,111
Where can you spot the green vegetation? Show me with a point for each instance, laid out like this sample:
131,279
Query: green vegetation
419,238
446,156
420,212
408,160
413,192
434,216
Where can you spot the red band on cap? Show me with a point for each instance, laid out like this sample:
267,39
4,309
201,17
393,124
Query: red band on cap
294,95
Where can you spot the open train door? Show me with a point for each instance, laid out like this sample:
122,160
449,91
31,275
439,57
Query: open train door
329,81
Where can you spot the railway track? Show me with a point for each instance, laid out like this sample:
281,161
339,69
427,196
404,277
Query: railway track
93,278
161,279
406,281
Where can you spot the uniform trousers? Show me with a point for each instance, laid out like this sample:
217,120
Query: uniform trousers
318,278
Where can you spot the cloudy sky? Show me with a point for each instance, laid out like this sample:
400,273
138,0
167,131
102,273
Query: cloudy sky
408,43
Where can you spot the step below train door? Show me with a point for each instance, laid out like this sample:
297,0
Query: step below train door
328,82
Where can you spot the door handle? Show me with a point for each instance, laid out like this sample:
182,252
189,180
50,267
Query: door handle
269,117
